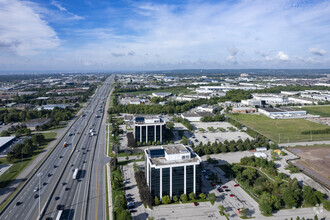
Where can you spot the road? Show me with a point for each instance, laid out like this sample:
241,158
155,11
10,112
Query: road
81,198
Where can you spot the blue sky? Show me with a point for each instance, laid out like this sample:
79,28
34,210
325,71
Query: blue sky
104,35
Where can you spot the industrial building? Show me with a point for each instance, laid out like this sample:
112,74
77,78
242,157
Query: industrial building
244,110
149,129
172,170
276,113
6,142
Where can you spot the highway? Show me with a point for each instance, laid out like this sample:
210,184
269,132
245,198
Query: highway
81,198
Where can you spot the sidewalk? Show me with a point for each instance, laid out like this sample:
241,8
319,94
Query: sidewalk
24,175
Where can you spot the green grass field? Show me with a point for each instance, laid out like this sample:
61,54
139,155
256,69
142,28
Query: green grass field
323,111
282,130
19,164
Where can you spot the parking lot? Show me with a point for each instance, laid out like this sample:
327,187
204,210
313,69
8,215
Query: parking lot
132,192
217,135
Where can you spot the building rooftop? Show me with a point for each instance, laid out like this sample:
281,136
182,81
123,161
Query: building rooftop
4,140
172,154
280,109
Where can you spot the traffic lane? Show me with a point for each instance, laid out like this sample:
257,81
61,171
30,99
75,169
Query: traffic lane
66,176
28,194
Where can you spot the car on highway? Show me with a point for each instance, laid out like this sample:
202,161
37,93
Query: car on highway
236,185
67,188
49,174
130,205
18,203
36,189
59,207
64,183
57,198
61,156
44,183
232,195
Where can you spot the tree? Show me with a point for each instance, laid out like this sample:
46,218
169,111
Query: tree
166,199
191,196
183,198
222,209
169,125
244,212
309,196
27,150
291,197
157,201
175,198
123,214
212,198
4,133
266,203
202,195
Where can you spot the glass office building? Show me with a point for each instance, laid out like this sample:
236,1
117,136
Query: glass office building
172,170
148,129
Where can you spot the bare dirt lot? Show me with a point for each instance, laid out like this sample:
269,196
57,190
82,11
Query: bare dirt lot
315,162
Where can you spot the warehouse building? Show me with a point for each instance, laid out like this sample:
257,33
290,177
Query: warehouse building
276,113
172,170
149,129
6,142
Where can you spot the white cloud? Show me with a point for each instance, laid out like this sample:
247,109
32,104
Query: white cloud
316,51
58,5
22,31
63,9
282,56
231,59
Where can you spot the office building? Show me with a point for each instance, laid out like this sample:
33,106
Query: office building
149,129
172,170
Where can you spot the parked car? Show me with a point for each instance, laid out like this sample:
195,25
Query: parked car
232,195
224,187
227,190
236,185
36,189
195,204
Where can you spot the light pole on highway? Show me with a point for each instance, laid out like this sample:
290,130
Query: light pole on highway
39,175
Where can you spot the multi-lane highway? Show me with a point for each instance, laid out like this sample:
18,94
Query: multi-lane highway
80,198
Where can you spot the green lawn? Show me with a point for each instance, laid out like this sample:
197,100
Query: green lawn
282,130
323,111
19,164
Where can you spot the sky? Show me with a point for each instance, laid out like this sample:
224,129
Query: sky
138,35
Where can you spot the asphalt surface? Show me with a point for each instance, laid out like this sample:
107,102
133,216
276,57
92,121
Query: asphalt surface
81,198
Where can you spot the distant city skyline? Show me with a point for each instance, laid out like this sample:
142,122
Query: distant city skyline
98,35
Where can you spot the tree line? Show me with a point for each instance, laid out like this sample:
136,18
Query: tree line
320,131
26,148
232,146
119,203
274,191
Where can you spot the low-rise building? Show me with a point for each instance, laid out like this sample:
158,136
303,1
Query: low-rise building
162,94
277,113
244,110
172,170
